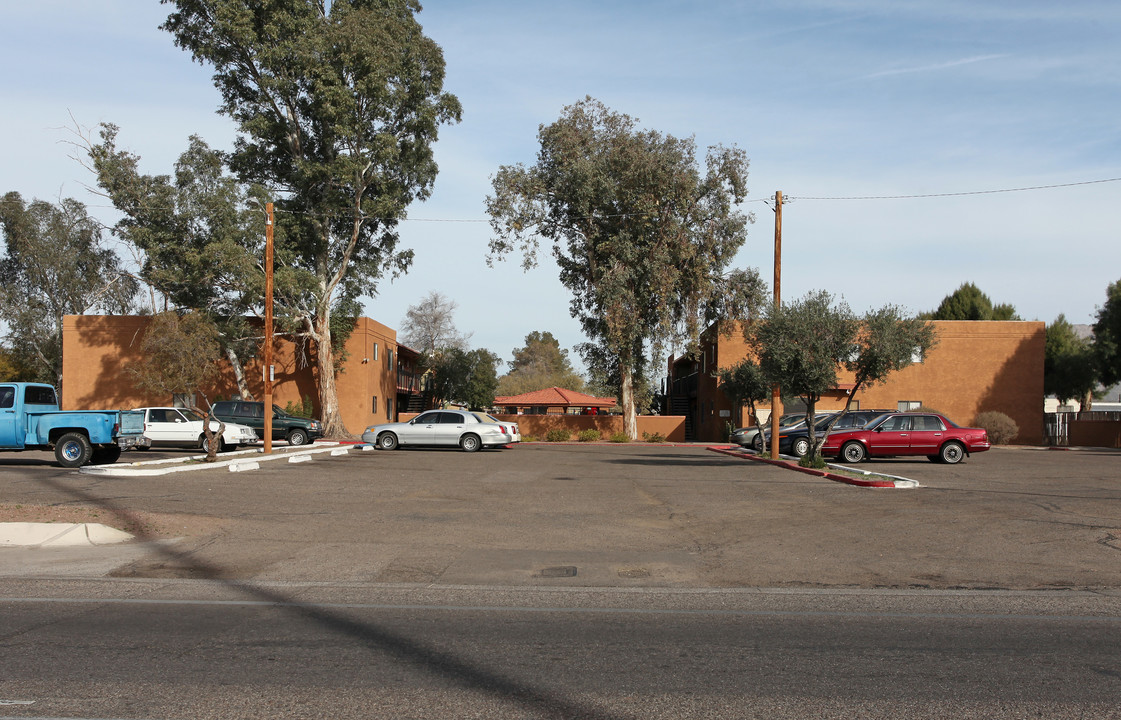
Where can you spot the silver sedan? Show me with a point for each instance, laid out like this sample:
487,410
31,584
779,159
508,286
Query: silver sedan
439,427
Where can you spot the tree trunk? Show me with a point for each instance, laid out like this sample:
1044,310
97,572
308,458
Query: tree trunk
239,375
328,391
630,420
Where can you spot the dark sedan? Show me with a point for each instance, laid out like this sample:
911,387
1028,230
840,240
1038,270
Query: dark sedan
924,434
796,440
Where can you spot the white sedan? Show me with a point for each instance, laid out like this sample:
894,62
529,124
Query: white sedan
179,427
468,430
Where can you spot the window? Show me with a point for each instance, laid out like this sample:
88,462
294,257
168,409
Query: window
374,409
7,397
917,355
908,405
34,395
389,408
928,423
375,353
389,358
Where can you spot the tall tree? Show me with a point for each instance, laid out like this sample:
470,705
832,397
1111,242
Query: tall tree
801,346
1107,336
200,235
542,363
1070,367
429,326
969,303
338,104
54,264
643,238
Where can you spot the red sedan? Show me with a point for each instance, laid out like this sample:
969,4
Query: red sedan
906,433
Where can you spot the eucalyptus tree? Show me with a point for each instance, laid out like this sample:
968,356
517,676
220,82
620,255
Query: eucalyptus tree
802,344
429,326
642,236
200,237
337,106
54,264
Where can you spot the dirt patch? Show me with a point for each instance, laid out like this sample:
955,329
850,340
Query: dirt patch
145,525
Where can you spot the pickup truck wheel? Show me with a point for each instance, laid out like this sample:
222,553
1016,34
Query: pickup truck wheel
106,455
297,437
73,450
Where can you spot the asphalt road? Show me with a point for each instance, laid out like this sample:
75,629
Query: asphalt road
575,582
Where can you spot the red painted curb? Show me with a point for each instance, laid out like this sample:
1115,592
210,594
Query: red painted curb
728,450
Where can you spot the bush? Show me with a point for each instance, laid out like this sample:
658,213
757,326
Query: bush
654,437
1001,428
302,409
588,435
529,438
816,462
619,437
558,435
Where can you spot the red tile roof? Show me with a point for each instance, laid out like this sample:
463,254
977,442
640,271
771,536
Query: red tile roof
555,397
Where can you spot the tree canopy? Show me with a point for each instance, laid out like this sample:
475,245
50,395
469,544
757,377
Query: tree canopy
429,326
745,384
1107,336
1070,368
54,264
540,364
466,376
642,237
338,105
802,344
969,303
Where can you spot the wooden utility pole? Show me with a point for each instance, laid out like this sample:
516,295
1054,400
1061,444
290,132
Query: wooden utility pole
776,394
268,329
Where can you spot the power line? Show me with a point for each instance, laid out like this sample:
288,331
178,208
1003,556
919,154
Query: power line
956,194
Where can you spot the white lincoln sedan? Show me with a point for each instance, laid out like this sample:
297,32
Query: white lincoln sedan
468,430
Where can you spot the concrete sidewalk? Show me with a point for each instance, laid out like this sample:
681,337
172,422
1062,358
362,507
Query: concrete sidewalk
29,534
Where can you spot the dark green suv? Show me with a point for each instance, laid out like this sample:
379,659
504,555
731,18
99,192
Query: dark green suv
296,430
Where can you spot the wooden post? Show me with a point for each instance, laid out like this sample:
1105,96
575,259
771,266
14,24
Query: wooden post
776,393
268,329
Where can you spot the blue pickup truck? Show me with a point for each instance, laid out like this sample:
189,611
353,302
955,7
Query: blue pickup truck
30,420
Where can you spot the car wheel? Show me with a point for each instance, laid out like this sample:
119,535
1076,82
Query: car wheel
73,450
469,443
951,453
387,441
297,437
757,443
800,447
852,452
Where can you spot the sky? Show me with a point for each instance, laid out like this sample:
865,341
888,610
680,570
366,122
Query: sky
850,108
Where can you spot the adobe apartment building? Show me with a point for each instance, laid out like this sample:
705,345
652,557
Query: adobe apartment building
379,377
976,366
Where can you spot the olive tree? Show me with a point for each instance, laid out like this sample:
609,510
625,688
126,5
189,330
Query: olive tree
745,384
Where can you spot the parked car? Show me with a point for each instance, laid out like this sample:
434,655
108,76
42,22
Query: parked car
180,427
796,440
296,430
512,432
440,427
745,436
757,441
901,433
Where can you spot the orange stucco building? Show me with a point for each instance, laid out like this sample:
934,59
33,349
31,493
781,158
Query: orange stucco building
975,367
379,377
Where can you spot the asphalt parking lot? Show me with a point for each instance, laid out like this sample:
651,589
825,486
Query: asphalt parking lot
606,515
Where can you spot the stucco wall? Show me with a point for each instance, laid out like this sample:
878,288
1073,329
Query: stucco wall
98,349
671,427
976,366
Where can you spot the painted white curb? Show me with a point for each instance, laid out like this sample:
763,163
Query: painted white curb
245,458
28,534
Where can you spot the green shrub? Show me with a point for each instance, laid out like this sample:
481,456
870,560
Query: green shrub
654,437
558,435
589,435
1001,428
529,438
619,437
303,409
817,462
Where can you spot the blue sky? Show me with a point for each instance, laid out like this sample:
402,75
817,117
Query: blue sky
838,99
